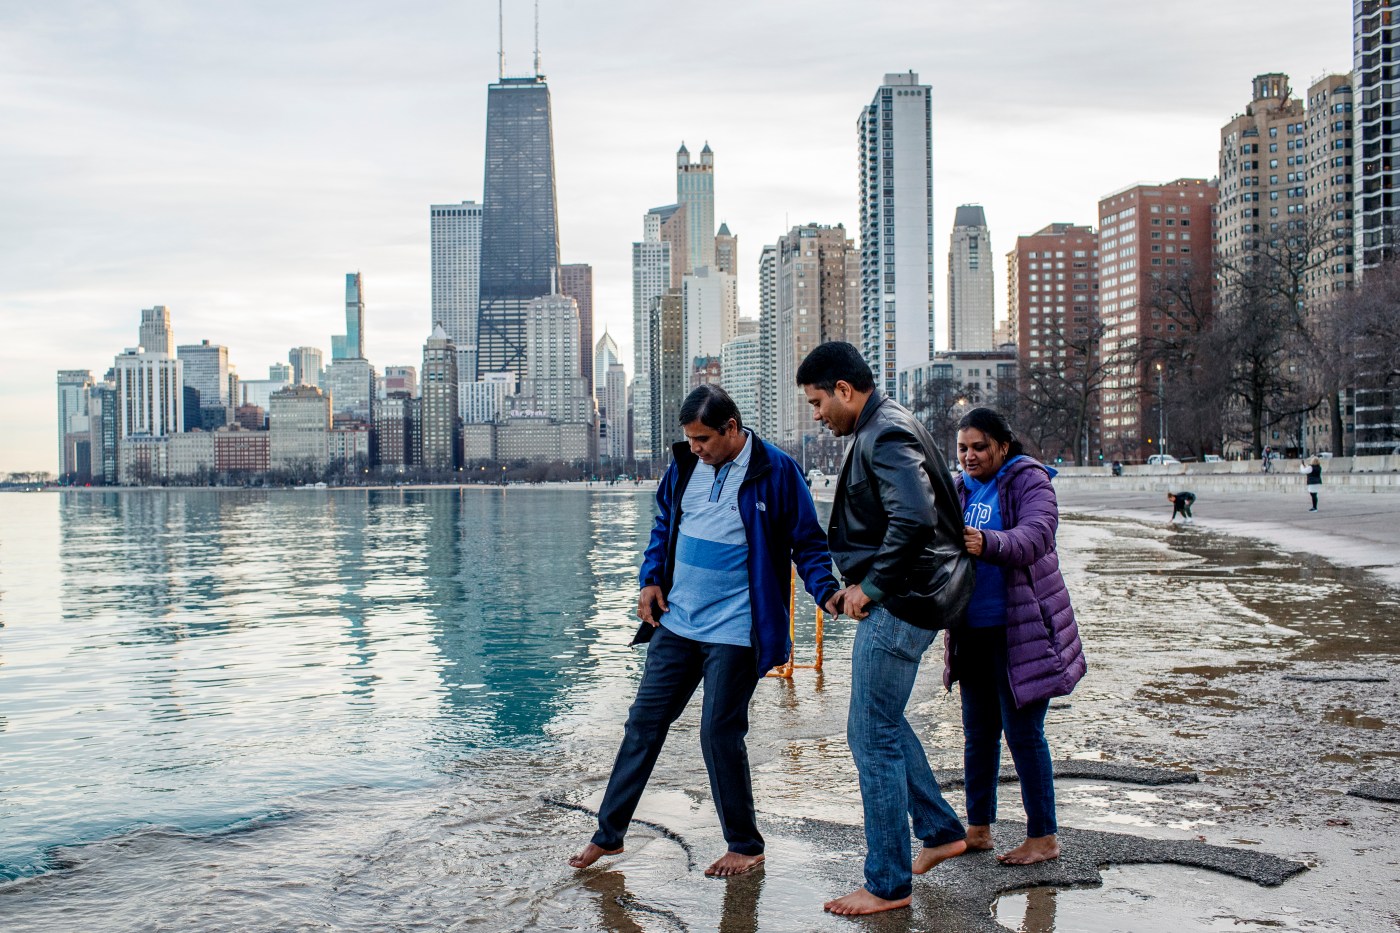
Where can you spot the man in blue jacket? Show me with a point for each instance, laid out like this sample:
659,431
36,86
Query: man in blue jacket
733,514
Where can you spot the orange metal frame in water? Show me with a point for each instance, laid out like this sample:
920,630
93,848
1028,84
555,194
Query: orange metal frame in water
785,670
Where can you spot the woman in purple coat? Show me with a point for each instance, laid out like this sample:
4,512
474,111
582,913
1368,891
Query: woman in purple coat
1020,646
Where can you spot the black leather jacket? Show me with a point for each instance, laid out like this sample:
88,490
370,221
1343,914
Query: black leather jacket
896,524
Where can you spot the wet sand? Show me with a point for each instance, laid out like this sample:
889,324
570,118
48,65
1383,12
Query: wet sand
1191,636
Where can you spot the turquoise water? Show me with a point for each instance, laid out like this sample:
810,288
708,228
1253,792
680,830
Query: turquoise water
185,659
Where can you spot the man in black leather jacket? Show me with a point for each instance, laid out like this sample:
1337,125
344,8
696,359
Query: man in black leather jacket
896,536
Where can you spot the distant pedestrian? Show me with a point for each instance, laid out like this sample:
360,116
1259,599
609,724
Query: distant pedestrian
1313,470
1117,468
1181,505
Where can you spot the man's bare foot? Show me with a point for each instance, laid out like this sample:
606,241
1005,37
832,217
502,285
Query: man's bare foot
979,838
733,863
861,901
930,856
590,854
1039,849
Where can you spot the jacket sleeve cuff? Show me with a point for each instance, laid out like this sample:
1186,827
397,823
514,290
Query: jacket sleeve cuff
872,591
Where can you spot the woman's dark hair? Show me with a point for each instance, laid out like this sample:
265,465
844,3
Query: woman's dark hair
711,406
993,424
834,362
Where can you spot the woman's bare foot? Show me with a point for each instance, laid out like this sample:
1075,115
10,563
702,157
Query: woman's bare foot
590,854
1039,849
733,863
861,901
930,856
979,838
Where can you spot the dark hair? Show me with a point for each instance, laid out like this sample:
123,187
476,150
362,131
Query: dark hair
993,424
711,406
833,362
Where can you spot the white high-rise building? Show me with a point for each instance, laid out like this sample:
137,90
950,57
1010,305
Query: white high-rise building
604,355
456,269
150,394
741,375
615,399
74,387
695,190
485,399
767,415
711,313
155,330
651,275
896,228
306,365
971,305
554,386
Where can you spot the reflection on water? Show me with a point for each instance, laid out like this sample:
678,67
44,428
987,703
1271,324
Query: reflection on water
183,657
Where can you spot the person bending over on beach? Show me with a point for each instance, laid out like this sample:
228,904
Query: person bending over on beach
1020,646
733,515
1181,505
896,536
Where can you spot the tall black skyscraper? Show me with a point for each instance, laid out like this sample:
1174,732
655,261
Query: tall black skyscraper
519,223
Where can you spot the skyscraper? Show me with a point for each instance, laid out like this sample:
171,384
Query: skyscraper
553,385
695,191
741,370
456,273
1375,45
74,386
896,228
726,251
817,296
1154,249
576,281
655,263
438,406
351,345
767,414
519,223
155,330
306,365
971,303
711,313
615,400
206,371
604,355
150,388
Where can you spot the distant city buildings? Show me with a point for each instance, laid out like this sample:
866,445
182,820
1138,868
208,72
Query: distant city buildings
896,227
971,291
351,344
455,244
306,363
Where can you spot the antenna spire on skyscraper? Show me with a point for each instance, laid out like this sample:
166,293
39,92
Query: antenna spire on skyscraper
500,40
537,38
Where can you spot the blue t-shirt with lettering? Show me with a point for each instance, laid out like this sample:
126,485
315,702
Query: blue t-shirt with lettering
983,512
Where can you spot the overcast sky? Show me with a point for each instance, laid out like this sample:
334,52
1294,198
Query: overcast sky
234,160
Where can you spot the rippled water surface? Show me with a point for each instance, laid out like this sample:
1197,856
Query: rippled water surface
181,659
383,710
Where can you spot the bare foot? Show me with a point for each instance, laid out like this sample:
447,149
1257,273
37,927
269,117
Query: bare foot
861,901
979,838
590,854
733,863
1039,849
930,856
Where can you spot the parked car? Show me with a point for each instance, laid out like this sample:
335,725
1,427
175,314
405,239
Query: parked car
1162,460
1212,458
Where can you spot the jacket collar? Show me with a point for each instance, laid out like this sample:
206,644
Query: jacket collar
872,404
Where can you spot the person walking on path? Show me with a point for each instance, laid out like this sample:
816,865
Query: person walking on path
1181,505
896,537
733,515
1020,646
1313,470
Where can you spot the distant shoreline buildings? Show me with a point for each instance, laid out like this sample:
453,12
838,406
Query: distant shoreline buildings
512,371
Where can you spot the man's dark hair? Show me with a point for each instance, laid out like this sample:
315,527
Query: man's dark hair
993,424
833,362
711,406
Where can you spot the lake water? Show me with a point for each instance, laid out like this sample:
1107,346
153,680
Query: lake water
183,659
368,710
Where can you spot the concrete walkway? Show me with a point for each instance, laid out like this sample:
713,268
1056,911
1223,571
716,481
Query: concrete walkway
1350,529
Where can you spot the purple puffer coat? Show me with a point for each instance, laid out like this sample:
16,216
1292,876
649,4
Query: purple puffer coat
1045,658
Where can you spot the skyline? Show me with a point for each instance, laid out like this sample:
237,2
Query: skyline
138,179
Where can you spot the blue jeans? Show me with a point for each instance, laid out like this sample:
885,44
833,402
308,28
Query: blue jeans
896,783
676,665
989,711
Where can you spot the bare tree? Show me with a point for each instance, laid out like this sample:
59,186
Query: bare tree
1358,340
940,404
1058,395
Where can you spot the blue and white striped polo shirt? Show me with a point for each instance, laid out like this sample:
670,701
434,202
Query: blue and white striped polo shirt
709,596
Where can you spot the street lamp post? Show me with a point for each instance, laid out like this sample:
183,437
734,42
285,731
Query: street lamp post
1161,414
